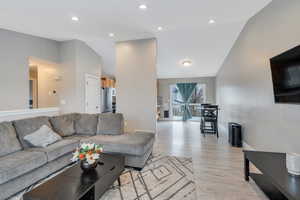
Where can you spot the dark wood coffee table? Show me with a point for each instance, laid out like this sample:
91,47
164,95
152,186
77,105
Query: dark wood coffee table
73,184
274,181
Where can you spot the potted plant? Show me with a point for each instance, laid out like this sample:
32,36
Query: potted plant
88,154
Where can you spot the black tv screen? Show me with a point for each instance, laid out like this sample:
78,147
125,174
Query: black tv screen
285,70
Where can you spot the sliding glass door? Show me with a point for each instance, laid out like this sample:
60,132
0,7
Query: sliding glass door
197,98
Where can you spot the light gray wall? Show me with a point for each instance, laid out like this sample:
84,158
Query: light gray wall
16,48
74,59
136,83
87,62
77,59
68,73
244,83
164,88
46,85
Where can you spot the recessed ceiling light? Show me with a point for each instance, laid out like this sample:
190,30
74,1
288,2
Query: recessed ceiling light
186,63
159,28
111,34
211,21
74,18
143,7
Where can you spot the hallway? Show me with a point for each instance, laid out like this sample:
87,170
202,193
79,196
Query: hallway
218,167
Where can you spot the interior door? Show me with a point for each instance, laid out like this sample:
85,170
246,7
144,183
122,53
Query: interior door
92,94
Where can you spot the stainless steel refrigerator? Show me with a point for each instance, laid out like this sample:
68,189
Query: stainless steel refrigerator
109,100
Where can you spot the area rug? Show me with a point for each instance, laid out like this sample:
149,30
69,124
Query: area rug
164,177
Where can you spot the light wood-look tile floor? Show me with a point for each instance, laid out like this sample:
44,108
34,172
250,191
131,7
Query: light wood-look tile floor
218,167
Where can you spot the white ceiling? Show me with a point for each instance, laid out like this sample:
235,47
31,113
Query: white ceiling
186,32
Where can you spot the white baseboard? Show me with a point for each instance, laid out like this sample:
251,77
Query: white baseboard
246,146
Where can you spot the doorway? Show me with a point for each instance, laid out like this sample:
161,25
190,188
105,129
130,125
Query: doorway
92,94
197,98
44,83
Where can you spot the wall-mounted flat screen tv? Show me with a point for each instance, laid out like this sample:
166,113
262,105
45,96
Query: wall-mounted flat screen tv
285,70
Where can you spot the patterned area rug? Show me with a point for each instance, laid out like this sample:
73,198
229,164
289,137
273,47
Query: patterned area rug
164,177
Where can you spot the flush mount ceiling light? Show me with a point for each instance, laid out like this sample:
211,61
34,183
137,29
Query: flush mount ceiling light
211,21
186,63
143,7
159,28
111,35
74,18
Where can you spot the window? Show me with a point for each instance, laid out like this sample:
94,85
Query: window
197,98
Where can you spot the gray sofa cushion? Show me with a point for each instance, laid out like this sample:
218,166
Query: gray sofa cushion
27,126
58,149
64,124
86,124
19,163
22,182
110,124
9,142
132,144
42,137
137,161
77,137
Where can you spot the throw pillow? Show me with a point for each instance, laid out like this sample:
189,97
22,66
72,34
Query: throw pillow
28,126
42,137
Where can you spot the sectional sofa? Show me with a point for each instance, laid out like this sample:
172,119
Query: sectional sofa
21,165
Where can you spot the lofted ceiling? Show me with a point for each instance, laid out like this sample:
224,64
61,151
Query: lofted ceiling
186,33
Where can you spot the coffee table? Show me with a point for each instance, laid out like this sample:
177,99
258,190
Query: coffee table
274,179
73,184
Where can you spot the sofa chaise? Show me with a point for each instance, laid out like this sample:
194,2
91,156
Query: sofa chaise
22,165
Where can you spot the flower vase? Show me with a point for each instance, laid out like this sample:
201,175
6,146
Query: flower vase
86,167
